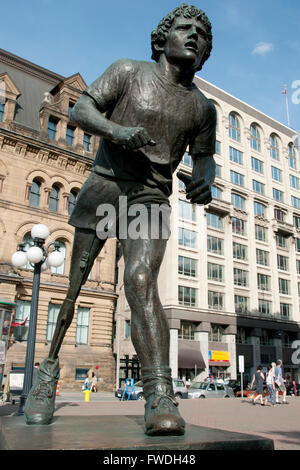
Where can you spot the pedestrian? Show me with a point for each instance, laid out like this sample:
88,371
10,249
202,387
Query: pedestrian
86,385
258,382
270,386
93,383
279,382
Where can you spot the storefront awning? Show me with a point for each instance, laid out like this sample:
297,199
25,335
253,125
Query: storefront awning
189,358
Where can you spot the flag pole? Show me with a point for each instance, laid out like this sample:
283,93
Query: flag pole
287,105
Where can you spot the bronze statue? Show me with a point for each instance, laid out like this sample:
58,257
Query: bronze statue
153,112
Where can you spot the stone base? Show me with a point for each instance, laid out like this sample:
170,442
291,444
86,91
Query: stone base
117,433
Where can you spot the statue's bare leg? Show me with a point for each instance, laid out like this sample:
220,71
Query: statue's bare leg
39,407
150,334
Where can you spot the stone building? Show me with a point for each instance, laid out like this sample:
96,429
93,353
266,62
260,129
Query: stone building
230,279
44,160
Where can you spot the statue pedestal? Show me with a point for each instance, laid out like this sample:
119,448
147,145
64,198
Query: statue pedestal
117,433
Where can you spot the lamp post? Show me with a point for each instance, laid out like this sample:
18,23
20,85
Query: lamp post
42,259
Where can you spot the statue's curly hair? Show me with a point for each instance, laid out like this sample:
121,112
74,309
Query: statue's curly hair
159,35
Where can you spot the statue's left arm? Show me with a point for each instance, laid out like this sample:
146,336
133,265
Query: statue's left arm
202,149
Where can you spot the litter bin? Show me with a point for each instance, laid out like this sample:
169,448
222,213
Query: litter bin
87,395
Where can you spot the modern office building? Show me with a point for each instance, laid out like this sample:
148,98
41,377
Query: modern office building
230,279
44,160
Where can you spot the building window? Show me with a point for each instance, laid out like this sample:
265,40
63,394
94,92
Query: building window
255,138
292,156
82,326
238,226
283,286
2,107
215,272
87,142
266,341
258,187
297,243
241,336
277,195
72,201
235,155
215,300
276,174
294,182
236,178
259,209
295,202
263,281
240,277
81,373
54,198
279,215
23,312
282,262
234,128
274,147
257,165
296,220
53,311
285,311
241,304
187,160
239,251
35,193
214,221
261,233
187,330
187,210
238,201
70,108
262,257
187,296
216,192
187,238
62,249
215,245
298,266
264,307
127,329
218,171
70,136
187,266
281,240
216,333
52,128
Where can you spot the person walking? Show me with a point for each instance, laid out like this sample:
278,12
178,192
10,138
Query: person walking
271,398
279,382
93,383
86,385
258,382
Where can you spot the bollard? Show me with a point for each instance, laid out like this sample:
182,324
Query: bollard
87,395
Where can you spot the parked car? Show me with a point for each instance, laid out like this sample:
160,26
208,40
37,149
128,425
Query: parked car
179,388
236,385
210,390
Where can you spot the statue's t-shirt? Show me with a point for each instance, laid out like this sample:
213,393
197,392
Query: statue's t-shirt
135,94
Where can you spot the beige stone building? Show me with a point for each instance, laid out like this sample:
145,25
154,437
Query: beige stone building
230,279
44,160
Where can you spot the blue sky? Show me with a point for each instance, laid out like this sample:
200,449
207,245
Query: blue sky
255,54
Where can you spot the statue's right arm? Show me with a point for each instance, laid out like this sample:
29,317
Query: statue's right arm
88,117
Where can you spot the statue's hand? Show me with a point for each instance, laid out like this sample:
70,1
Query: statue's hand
197,189
132,138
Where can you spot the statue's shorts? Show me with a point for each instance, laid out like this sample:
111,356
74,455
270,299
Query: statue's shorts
108,205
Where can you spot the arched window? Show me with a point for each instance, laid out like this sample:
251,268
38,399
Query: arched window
234,127
274,147
255,138
54,198
28,242
35,193
72,200
63,250
292,156
2,107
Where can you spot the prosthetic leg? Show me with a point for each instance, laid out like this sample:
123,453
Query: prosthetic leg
39,407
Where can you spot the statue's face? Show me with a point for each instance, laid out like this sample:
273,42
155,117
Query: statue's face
186,42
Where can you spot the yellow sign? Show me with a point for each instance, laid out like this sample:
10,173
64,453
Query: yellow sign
217,356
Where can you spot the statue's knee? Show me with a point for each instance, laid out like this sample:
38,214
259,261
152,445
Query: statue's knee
137,281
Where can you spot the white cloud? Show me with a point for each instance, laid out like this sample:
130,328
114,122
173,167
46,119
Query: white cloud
262,48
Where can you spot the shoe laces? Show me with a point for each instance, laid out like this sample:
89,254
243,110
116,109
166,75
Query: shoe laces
43,391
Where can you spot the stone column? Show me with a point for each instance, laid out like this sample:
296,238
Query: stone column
173,352
278,346
254,339
201,335
229,338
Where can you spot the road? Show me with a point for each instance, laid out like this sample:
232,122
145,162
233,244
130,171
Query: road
282,424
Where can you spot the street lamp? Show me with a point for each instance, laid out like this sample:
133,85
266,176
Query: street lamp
42,259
